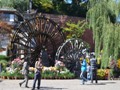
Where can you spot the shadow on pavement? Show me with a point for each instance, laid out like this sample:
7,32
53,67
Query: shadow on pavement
101,83
0,80
110,82
47,88
51,88
96,84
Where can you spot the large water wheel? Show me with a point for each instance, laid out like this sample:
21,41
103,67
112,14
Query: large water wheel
31,36
70,52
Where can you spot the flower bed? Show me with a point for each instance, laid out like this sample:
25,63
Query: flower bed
47,73
55,74
52,73
59,71
103,74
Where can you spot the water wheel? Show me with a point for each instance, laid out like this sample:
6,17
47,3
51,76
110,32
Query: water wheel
31,36
70,52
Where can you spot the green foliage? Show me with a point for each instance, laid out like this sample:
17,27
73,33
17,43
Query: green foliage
43,5
75,30
101,74
3,73
16,4
9,74
67,75
4,63
6,4
54,74
61,7
3,57
22,5
102,19
31,75
48,6
48,74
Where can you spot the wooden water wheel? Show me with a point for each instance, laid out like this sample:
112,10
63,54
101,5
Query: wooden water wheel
70,52
32,35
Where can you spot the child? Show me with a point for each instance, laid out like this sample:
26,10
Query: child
88,71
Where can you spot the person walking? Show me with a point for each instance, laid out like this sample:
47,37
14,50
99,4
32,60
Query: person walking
45,57
88,71
25,72
93,64
83,70
38,71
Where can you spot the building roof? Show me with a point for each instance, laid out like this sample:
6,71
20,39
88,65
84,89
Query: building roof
10,10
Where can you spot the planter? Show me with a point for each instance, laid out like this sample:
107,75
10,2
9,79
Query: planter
4,77
15,78
8,77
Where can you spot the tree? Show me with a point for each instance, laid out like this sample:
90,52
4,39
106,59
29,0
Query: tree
16,4
22,5
43,5
76,8
102,20
75,30
6,4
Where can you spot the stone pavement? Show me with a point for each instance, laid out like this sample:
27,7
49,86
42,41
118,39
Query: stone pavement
72,84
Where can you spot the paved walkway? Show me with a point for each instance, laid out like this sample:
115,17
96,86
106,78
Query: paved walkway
73,84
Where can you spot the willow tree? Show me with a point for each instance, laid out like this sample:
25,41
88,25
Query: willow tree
102,20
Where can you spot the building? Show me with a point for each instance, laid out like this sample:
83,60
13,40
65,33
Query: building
8,18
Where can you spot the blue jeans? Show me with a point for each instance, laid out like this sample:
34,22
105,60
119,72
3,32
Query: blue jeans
88,75
82,76
37,77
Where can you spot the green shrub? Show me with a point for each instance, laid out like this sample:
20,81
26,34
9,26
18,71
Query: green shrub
101,74
4,63
3,57
3,73
31,75
48,74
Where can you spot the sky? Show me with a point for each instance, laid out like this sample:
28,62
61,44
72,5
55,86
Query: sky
117,1
70,1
